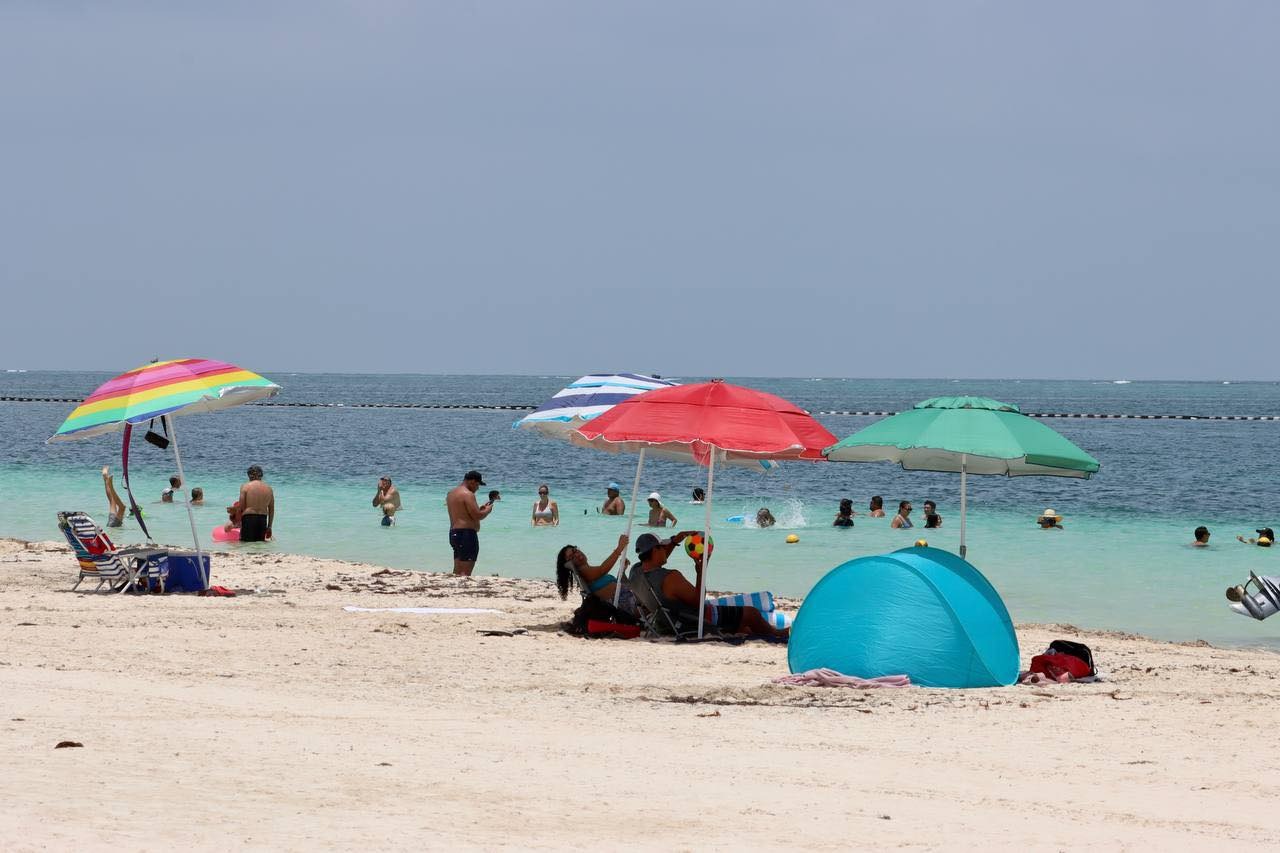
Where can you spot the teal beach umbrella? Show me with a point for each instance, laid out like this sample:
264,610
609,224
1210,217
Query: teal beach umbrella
966,435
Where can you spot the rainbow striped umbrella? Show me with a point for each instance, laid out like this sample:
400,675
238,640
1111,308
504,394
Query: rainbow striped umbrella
162,388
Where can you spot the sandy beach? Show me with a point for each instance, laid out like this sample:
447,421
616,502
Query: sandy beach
277,720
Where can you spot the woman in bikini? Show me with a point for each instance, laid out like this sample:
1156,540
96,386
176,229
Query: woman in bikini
545,511
598,580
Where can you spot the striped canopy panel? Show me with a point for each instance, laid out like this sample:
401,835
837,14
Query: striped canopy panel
589,397
173,387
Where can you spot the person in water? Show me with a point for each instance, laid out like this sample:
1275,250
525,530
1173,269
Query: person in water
115,506
876,510
764,518
613,502
197,496
659,515
546,513
1049,520
699,496
597,580
387,498
1202,537
1263,540
175,483
903,519
932,519
931,509
257,508
844,517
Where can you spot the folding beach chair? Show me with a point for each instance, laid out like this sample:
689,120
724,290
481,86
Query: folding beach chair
119,569
660,620
1260,604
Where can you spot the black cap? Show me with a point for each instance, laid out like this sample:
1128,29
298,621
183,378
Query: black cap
475,475
1266,531
646,542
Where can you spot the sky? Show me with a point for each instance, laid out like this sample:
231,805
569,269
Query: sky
948,189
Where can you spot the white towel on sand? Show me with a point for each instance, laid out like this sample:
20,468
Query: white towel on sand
428,610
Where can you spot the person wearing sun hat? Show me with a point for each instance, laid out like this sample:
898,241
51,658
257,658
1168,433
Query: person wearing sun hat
613,502
1263,540
659,515
1049,520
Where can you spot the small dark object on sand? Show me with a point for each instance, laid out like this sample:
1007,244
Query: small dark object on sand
64,744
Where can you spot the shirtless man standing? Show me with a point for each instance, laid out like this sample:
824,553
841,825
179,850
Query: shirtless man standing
387,498
465,516
257,508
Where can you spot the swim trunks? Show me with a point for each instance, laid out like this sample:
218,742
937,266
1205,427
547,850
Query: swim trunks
114,520
727,619
465,543
253,528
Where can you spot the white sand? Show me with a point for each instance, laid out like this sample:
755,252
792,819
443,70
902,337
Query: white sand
277,720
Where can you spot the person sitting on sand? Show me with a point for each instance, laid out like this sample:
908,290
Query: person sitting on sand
175,483
598,580
764,518
1049,520
659,515
902,521
546,513
680,597
197,496
1263,540
1202,537
876,510
844,517
613,502
931,509
115,506
387,497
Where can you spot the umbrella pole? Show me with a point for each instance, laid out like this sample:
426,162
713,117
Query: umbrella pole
186,498
706,557
964,491
631,517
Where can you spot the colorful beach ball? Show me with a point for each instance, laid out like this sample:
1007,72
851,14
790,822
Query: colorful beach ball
698,546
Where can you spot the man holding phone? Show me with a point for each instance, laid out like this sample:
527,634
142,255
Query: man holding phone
465,516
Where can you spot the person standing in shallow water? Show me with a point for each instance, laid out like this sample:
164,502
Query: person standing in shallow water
877,507
465,516
257,508
903,518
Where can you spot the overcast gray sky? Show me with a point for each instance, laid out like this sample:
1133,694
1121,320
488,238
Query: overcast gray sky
789,188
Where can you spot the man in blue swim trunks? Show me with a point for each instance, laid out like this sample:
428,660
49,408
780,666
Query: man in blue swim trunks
465,516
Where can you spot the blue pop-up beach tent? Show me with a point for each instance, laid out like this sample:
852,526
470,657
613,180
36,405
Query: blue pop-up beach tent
923,612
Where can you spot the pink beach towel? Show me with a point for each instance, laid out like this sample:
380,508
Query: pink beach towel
831,678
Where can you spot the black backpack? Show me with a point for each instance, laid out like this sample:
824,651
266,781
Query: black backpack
1079,650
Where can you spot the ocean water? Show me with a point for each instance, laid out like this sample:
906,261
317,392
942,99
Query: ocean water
1122,561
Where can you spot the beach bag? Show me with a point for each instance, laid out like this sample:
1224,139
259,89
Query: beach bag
1065,656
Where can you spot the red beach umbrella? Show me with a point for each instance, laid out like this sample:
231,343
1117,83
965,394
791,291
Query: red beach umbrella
704,423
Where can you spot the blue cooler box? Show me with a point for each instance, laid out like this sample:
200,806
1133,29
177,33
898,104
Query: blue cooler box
184,572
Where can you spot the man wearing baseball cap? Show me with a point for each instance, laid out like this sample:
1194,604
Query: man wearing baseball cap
680,598
465,516
613,502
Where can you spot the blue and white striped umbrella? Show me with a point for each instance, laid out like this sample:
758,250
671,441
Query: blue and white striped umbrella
589,397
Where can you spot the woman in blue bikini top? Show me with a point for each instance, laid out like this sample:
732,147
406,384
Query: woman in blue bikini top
598,580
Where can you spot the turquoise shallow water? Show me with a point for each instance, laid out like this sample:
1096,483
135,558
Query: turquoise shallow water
1121,563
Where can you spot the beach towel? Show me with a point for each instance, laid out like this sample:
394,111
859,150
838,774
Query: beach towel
762,601
427,610
831,678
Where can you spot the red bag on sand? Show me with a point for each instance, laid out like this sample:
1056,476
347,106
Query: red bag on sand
1055,664
597,628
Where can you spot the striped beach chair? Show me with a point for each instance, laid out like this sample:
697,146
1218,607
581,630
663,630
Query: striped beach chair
118,569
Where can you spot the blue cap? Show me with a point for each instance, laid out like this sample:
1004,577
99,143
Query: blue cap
615,486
